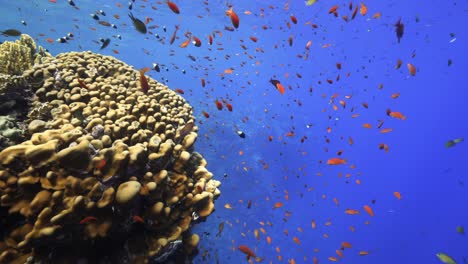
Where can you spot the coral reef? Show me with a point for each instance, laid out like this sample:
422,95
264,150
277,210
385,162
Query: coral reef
108,173
15,58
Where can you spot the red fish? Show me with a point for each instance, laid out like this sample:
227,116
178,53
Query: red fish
196,41
138,219
399,29
173,7
87,220
143,82
82,84
219,105
278,85
210,39
247,251
293,19
229,107
234,17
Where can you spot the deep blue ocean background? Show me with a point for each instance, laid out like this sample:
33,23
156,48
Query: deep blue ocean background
431,178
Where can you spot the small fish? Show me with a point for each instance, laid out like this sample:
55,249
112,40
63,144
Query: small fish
105,43
336,161
234,17
87,220
156,67
453,142
247,251
310,2
460,230
220,229
445,258
138,219
11,33
174,35
138,24
278,85
399,29
240,133
186,129
143,82
173,7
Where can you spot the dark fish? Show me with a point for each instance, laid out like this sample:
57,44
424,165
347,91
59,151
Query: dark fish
139,25
156,67
240,134
191,57
71,2
174,35
94,16
399,29
453,142
220,229
105,43
11,33
186,130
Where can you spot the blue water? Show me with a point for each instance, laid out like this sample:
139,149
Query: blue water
430,177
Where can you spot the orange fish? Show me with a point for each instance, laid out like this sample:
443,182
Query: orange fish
185,43
368,210
363,253
296,240
411,69
386,130
397,195
143,82
336,161
278,205
247,251
346,245
278,85
173,7
351,211
254,39
333,9
397,115
363,9
234,17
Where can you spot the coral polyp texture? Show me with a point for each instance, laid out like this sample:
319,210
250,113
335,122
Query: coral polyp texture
108,172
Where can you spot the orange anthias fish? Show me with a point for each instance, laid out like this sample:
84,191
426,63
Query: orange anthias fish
369,210
247,251
173,7
88,219
234,17
143,81
278,85
336,161
411,69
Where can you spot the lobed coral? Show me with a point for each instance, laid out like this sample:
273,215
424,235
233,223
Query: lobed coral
106,168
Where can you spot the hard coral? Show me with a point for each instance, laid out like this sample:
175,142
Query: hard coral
106,167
